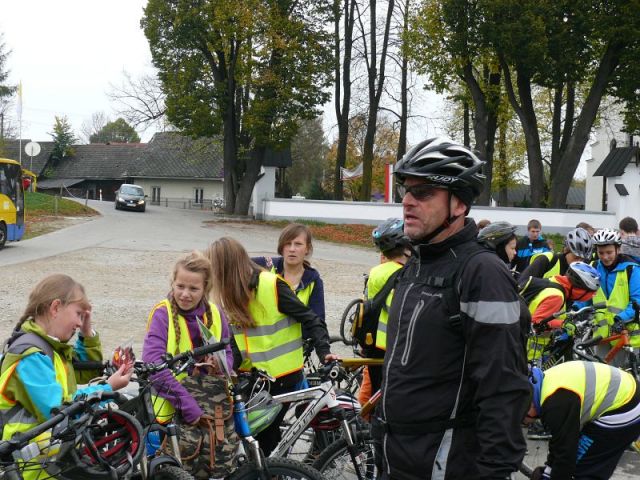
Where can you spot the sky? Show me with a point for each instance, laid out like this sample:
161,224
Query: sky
66,53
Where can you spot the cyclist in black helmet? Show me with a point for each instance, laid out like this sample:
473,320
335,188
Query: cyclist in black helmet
454,377
578,247
500,237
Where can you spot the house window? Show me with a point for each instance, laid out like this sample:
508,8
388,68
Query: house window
155,194
198,195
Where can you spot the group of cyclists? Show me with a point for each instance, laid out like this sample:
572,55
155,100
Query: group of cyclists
461,334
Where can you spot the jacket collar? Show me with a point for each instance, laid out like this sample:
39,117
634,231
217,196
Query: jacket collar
468,233
61,348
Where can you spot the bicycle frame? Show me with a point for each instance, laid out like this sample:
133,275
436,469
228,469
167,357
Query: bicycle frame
319,397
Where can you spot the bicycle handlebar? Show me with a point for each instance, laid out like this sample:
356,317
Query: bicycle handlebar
20,440
570,314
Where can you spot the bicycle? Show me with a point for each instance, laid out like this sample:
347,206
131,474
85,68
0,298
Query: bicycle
349,315
584,350
321,402
80,440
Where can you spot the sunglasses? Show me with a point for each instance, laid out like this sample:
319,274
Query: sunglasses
421,191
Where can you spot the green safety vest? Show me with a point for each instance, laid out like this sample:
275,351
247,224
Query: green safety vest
537,343
304,294
378,276
275,343
163,409
617,302
554,270
601,388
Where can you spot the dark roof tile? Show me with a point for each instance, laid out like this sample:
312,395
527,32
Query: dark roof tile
616,161
37,164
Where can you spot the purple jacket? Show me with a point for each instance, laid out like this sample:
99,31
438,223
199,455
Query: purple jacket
155,346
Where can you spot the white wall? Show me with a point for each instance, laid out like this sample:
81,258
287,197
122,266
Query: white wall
373,213
181,189
265,187
629,205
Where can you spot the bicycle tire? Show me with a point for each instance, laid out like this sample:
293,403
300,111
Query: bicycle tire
278,468
346,321
171,472
335,461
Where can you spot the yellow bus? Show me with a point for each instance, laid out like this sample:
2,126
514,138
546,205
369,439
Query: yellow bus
11,201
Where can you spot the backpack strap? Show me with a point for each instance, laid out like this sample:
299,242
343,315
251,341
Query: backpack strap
20,342
384,292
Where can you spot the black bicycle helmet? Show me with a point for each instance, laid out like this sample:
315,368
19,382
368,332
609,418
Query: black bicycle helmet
584,276
496,233
109,447
389,235
446,164
579,242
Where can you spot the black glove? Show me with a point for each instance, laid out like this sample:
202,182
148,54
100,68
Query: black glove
618,325
539,474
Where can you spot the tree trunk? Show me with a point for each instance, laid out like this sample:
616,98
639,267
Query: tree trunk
466,133
342,106
577,142
253,162
527,115
404,90
503,181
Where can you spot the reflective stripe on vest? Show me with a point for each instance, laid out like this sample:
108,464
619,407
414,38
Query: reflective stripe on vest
617,302
163,409
553,271
381,274
601,388
275,343
14,417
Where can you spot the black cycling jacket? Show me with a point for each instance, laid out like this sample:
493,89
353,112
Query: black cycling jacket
436,370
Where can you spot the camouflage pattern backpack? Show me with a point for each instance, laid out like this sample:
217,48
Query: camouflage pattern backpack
208,448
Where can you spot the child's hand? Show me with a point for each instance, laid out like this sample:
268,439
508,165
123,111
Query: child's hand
121,378
86,330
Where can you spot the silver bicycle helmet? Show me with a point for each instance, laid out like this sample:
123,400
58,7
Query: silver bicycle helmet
496,233
607,236
579,242
390,234
584,276
444,163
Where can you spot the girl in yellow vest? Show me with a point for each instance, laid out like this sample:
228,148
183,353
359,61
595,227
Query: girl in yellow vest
178,324
592,411
295,246
37,370
266,318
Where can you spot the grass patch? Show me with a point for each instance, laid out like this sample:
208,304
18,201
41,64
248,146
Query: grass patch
344,233
38,204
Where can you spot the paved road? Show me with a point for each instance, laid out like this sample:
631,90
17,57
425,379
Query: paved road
161,229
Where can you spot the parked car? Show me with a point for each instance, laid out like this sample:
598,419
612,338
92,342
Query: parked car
131,197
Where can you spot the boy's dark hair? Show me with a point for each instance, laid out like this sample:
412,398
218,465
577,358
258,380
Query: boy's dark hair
533,223
395,252
628,225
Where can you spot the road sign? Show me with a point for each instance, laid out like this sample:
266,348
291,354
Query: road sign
32,149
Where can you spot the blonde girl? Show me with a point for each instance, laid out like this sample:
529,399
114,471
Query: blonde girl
179,323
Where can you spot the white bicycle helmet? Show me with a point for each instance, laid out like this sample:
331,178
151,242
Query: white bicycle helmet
584,276
579,242
607,236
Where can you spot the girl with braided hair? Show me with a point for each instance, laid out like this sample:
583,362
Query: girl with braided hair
181,322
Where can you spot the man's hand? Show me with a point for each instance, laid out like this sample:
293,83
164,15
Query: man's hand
330,357
540,474
618,325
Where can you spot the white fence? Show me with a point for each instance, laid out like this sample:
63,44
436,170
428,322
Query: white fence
372,213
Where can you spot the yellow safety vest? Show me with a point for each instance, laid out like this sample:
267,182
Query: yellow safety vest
617,302
378,277
537,343
163,409
304,294
275,343
553,271
601,388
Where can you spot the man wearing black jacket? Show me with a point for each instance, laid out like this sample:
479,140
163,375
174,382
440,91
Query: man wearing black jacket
454,378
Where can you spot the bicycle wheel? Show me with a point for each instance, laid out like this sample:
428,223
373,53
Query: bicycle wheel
347,320
278,468
171,472
335,462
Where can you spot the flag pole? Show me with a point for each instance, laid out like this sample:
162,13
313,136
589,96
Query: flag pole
20,121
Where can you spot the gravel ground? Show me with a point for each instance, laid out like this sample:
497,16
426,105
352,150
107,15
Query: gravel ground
123,285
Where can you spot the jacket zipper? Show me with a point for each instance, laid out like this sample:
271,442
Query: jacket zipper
412,325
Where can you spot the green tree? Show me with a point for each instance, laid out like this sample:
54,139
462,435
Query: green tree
309,150
248,69
63,139
576,48
118,131
6,91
